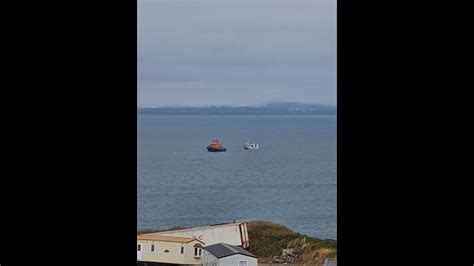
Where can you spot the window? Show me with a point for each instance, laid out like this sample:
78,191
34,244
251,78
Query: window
139,247
167,251
152,248
197,252
242,263
182,250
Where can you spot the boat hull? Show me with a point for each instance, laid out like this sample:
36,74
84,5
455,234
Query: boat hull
211,149
249,146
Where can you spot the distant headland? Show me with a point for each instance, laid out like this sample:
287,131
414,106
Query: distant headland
276,108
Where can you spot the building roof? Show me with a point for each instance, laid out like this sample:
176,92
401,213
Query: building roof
166,238
222,250
201,228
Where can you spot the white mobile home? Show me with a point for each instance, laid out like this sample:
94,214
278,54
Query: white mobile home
170,250
231,233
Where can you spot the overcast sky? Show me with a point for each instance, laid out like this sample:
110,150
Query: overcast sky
236,52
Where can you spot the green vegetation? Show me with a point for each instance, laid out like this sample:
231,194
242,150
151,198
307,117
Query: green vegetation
268,239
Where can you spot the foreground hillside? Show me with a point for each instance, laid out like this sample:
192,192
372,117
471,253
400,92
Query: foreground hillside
267,240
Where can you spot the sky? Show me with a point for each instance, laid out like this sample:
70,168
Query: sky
236,52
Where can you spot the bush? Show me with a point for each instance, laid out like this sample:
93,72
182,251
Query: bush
267,239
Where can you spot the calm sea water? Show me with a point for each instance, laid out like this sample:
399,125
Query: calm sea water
291,180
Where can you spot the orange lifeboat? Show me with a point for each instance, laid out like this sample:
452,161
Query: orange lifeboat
215,146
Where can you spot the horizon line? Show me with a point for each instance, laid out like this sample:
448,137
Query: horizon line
234,106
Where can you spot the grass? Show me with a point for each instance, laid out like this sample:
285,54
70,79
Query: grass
267,239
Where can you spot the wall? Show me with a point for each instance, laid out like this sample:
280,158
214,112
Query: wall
234,260
208,259
211,235
173,256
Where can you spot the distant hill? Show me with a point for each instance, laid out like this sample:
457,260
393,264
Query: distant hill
296,105
278,108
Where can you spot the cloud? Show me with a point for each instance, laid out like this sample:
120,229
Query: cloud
238,52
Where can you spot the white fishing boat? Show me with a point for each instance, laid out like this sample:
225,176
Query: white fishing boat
251,146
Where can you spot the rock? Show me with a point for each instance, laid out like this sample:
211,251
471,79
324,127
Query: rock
287,258
298,250
286,251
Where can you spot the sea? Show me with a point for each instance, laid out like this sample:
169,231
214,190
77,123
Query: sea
291,180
